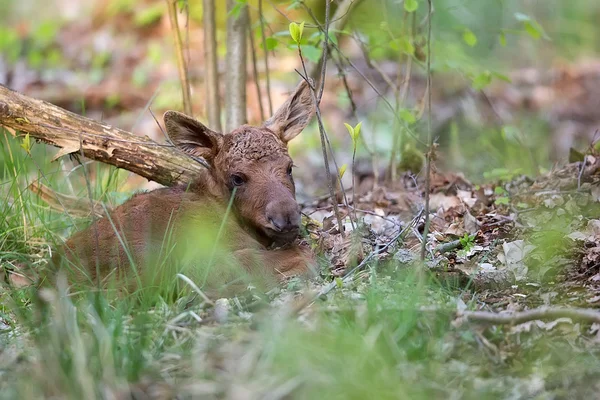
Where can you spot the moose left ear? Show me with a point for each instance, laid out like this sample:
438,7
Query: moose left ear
293,116
191,136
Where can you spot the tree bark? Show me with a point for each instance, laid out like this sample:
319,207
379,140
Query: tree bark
70,132
235,84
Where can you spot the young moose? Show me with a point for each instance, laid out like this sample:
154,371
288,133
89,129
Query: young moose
155,235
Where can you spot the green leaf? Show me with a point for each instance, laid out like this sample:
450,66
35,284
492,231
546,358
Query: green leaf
26,144
531,26
339,282
296,31
407,116
354,132
350,130
411,5
502,39
333,38
502,200
343,169
500,191
482,80
357,129
271,43
502,77
404,45
312,53
469,37
235,11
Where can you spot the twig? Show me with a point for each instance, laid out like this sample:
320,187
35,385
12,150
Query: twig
542,313
213,103
266,53
183,74
455,244
429,138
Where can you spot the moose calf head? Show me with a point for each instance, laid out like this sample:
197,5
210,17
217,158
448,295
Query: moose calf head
253,164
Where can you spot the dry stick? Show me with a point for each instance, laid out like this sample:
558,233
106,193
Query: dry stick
266,53
542,313
235,75
255,71
213,103
183,74
429,138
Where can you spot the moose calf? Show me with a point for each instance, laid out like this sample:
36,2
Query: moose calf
221,229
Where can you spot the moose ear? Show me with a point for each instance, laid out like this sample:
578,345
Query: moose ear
191,136
293,116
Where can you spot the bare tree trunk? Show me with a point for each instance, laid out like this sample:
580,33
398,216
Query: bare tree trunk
213,105
235,85
183,73
73,133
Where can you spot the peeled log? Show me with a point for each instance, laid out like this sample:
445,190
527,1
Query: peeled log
70,132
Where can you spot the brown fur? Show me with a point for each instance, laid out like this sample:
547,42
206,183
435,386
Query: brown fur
180,225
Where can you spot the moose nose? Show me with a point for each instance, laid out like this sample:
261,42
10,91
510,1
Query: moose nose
283,220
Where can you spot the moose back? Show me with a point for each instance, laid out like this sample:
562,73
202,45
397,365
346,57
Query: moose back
236,224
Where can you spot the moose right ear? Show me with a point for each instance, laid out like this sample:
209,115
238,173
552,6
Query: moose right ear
191,136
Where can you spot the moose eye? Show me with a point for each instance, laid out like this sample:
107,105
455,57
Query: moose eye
289,170
237,180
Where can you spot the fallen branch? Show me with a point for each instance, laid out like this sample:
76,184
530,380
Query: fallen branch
543,313
161,163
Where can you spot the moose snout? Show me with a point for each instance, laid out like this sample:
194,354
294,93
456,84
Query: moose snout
283,218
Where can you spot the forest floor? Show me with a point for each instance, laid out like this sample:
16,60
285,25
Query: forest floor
391,328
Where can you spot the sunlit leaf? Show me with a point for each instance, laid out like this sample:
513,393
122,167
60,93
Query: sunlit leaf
357,129
26,143
296,31
350,129
502,39
532,31
411,5
482,80
404,45
343,169
354,132
407,116
469,38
